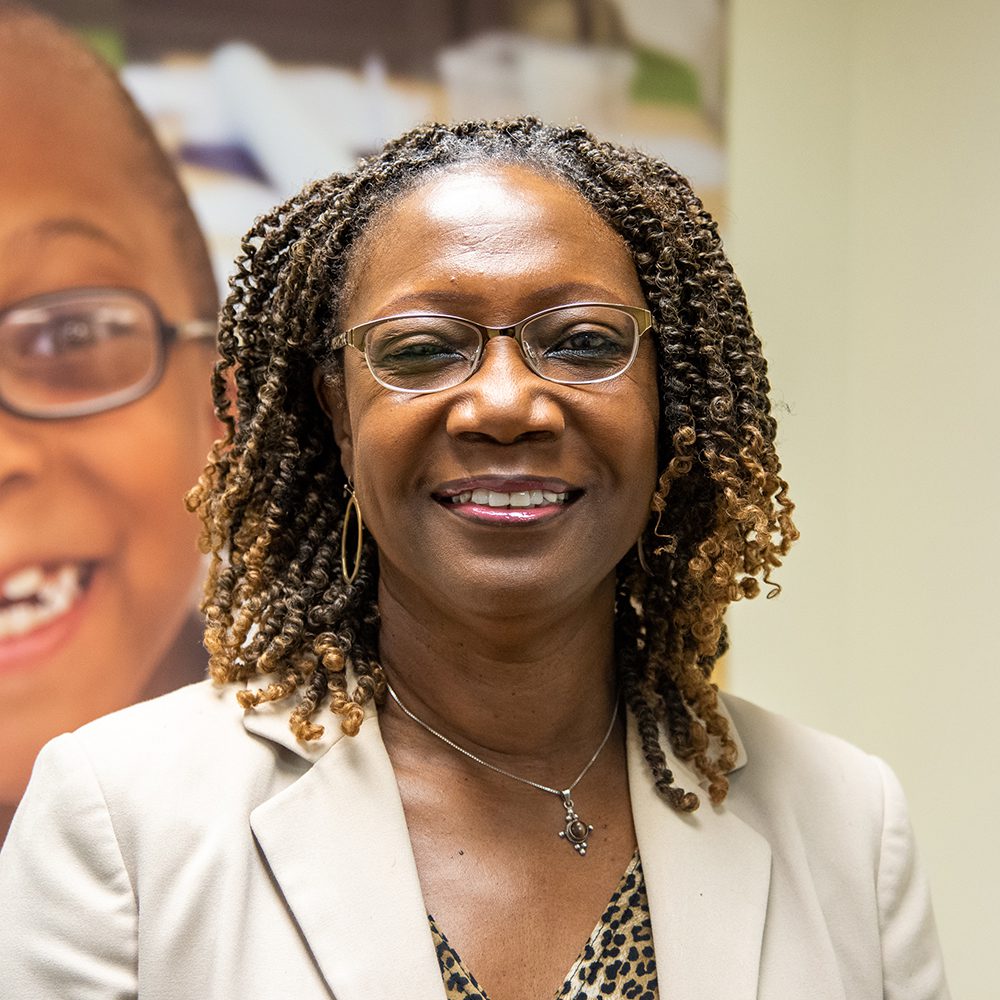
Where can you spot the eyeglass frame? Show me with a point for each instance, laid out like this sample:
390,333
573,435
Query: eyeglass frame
355,337
166,333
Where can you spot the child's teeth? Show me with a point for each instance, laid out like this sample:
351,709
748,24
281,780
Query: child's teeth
24,584
17,620
56,597
37,598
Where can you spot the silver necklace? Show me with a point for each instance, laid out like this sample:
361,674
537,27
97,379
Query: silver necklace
575,831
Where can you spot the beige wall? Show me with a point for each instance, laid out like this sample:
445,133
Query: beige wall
864,140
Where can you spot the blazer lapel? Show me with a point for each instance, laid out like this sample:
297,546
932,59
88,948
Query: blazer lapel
362,912
707,878
359,906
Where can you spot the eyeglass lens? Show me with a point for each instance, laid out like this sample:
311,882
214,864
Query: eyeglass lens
77,352
575,345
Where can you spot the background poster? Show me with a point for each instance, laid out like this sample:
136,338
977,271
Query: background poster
252,99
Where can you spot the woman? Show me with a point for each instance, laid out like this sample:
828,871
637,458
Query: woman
107,327
522,356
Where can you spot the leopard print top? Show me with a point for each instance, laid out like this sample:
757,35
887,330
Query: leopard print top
617,963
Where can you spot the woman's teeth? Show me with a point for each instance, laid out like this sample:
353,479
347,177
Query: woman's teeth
33,597
520,498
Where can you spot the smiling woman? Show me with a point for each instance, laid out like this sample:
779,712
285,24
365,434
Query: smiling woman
465,241
519,355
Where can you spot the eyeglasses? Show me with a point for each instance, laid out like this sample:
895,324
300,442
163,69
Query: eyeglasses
84,350
576,344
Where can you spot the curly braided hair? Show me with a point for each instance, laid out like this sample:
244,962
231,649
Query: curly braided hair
270,496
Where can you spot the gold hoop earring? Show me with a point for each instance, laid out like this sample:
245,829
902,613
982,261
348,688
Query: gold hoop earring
351,575
641,552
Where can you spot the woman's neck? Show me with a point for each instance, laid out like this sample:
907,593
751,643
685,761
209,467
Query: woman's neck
519,689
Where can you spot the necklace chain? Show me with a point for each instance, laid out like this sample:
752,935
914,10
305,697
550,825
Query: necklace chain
576,831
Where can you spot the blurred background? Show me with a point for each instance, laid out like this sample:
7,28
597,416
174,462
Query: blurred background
863,151
850,150
254,98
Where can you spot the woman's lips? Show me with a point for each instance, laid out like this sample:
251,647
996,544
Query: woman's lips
40,605
493,500
513,498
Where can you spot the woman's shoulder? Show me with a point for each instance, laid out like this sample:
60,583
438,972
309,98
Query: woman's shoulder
842,849
188,728
183,752
769,738
791,772
180,716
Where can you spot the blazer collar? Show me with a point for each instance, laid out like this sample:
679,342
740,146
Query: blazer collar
360,907
707,878
270,720
707,874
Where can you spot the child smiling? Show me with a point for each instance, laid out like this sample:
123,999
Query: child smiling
106,306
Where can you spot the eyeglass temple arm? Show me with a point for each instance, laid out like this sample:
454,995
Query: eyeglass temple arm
195,329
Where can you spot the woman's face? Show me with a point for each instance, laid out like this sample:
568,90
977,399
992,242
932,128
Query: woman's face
495,244
90,508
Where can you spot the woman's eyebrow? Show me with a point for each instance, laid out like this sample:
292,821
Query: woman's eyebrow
449,299
60,227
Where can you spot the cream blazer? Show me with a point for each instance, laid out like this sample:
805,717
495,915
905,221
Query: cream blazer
185,849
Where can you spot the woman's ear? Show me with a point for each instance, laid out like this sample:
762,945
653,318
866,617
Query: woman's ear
332,398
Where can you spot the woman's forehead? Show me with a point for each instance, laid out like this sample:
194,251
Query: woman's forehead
502,241
499,193
475,231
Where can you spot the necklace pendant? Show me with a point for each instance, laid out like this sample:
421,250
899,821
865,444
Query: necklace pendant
575,832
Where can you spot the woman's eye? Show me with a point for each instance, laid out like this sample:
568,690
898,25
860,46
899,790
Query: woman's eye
586,341
424,349
398,347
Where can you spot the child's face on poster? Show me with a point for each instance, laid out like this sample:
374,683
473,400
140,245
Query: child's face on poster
92,519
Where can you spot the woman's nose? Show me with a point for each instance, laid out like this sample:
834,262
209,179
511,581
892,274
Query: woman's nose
505,401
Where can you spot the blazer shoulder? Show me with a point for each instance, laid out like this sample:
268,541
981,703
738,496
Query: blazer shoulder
197,713
763,733
837,821
803,768
189,748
